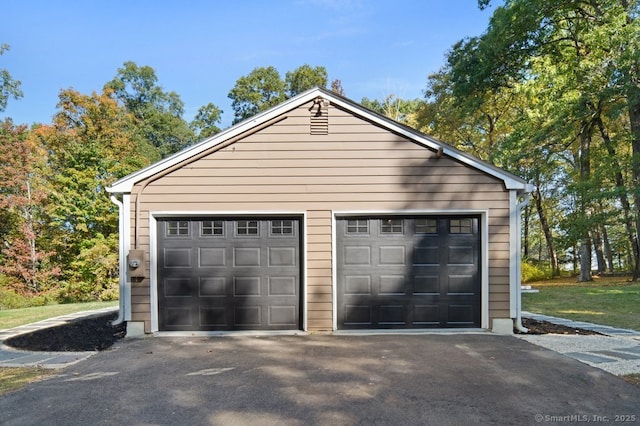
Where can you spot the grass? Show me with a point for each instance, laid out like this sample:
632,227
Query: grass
12,379
613,301
14,317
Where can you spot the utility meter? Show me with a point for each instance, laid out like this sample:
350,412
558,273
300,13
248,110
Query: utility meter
136,262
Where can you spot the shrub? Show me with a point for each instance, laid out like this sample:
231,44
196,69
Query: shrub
94,273
532,272
11,299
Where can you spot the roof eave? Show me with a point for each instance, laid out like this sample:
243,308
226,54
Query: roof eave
511,182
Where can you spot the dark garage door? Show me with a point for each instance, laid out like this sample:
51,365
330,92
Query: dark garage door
408,272
228,274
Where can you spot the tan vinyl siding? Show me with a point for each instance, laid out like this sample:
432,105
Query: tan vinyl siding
357,166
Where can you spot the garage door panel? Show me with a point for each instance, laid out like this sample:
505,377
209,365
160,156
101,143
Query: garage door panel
179,317
178,287
212,257
357,315
247,316
426,315
282,256
461,285
177,258
392,255
408,272
426,284
358,284
282,315
283,286
249,256
246,286
228,274
461,255
461,315
214,317
357,255
213,287
392,315
392,285
426,255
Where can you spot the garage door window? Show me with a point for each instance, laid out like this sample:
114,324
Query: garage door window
247,227
212,228
357,226
426,226
460,226
281,227
391,226
177,228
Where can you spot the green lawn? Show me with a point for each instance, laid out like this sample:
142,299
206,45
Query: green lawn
14,317
610,301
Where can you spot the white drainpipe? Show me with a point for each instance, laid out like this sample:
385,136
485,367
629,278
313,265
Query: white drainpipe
518,322
122,261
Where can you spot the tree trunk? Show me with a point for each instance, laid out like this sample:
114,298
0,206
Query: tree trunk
585,261
553,257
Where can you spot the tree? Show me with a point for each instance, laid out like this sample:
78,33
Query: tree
205,122
578,63
304,78
92,142
23,198
158,113
398,109
336,87
258,91
9,88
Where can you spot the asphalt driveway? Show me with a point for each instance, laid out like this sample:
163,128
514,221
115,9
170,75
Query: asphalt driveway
325,379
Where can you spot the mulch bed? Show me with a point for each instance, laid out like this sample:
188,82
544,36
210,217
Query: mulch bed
545,327
97,334
88,334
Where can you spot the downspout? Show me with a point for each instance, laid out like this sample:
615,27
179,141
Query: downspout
122,261
518,322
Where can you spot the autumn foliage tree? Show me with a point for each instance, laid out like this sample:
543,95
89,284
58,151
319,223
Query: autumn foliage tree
23,200
93,141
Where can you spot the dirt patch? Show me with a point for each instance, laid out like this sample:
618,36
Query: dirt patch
634,379
87,334
545,327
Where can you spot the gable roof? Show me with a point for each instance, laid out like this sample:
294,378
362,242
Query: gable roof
126,184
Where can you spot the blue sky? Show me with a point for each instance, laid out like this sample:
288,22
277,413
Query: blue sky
199,49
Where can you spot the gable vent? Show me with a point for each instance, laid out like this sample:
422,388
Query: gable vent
319,117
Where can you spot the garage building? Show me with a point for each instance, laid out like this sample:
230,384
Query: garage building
319,215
